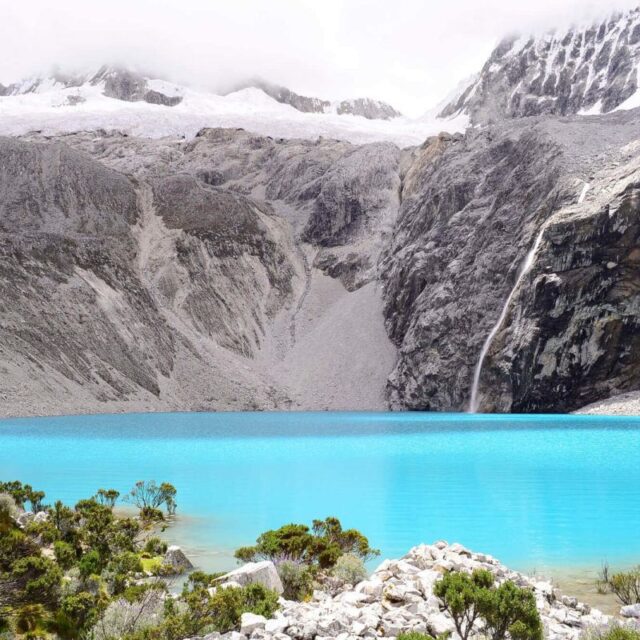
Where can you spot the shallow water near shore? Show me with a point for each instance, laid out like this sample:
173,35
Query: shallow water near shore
541,493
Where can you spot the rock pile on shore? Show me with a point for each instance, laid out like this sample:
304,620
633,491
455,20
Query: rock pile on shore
398,598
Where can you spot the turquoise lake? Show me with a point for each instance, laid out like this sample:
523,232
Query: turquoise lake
535,491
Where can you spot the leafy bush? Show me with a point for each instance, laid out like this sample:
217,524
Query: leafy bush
123,618
297,580
8,510
65,554
507,610
228,604
322,545
90,564
613,632
76,614
510,610
459,593
149,497
155,546
350,569
416,635
625,585
38,579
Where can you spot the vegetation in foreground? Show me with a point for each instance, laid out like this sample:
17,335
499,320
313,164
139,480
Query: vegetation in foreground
62,568
625,585
83,572
316,556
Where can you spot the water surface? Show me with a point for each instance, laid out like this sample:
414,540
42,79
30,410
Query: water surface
535,491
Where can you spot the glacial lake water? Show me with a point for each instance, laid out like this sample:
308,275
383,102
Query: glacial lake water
535,491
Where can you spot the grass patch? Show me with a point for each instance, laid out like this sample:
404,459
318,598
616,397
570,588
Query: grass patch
151,564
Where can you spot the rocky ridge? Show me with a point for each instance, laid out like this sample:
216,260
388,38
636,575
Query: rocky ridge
398,598
114,81
364,107
583,69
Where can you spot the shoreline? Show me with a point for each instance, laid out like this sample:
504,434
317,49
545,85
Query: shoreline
577,580
620,405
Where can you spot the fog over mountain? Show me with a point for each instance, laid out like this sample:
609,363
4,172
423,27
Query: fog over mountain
409,54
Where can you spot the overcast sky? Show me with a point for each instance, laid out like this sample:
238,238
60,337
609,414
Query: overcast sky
411,53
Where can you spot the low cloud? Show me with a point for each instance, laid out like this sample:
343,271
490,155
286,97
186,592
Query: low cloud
410,53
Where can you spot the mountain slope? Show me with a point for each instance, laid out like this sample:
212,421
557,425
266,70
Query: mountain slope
590,69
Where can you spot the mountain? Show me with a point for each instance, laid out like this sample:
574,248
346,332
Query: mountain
591,69
145,269
364,107
113,82
117,98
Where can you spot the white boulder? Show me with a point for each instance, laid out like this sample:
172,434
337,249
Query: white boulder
631,611
249,622
263,573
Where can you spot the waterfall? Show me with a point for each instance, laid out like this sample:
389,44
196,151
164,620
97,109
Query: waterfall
583,193
524,269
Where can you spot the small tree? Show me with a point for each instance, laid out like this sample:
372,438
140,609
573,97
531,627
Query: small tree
149,497
506,610
107,497
459,593
510,610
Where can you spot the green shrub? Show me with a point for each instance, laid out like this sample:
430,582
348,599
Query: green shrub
321,546
90,564
76,614
155,546
459,593
625,585
8,511
613,632
297,580
228,604
350,569
510,610
38,578
65,554
506,610
416,635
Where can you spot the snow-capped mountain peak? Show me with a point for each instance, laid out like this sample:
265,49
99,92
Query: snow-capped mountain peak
589,69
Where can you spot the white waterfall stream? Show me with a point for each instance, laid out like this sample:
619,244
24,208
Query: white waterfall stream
524,269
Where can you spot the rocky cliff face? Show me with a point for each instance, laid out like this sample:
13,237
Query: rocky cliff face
471,214
591,69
